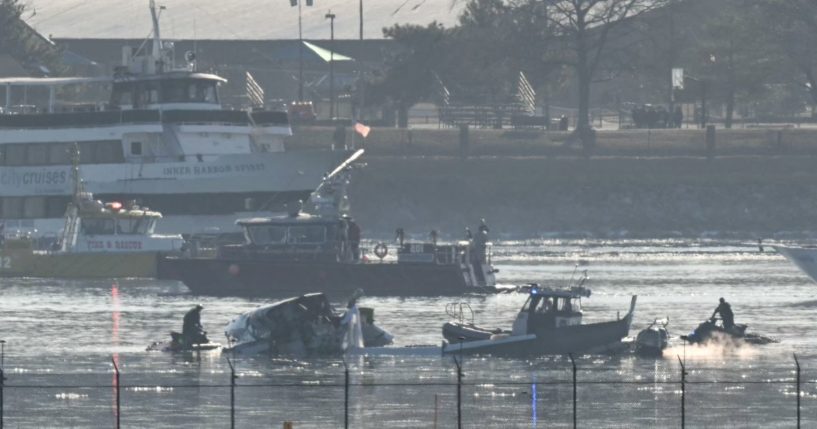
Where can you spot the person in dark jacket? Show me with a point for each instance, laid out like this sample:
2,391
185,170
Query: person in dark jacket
192,331
725,311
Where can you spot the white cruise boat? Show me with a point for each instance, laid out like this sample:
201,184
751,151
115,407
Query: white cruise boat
163,140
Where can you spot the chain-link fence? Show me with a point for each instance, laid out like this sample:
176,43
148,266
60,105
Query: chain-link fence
364,395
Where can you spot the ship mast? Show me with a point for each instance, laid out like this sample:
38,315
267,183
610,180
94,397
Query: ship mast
157,38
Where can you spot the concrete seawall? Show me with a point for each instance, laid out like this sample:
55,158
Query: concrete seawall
756,189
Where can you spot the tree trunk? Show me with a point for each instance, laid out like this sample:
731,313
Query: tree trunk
583,76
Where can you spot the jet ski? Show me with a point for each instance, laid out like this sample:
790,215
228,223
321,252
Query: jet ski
712,330
652,340
177,345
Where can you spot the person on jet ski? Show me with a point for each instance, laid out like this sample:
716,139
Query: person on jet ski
727,316
192,331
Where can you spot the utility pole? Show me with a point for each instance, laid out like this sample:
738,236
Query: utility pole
361,19
300,46
331,17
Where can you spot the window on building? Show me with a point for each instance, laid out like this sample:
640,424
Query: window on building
59,153
16,154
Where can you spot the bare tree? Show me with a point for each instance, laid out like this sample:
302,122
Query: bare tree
584,28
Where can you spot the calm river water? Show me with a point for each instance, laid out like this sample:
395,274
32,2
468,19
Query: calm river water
61,337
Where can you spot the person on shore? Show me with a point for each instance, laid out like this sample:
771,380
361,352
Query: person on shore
725,310
192,331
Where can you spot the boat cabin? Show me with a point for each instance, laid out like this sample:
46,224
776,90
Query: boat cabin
94,226
548,308
298,237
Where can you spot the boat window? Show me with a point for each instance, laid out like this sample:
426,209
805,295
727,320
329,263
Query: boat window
37,154
12,207
91,226
15,154
267,234
189,91
136,148
307,234
34,207
132,226
59,153
122,94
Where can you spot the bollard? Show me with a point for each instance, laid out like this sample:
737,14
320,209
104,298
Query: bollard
797,364
346,396
116,387
683,392
464,145
710,140
233,377
573,362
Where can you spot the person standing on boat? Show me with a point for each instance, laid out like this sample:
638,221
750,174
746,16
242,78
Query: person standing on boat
354,239
192,331
725,311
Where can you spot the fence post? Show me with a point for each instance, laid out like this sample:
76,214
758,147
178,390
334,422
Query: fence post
2,385
683,392
458,363
573,362
346,396
116,387
233,377
797,363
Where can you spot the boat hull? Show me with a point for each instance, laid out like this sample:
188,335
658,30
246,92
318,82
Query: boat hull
16,263
591,338
804,258
233,277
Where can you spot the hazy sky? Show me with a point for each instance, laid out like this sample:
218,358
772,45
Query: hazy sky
228,19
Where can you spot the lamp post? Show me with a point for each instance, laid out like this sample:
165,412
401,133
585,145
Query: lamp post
300,47
361,19
331,17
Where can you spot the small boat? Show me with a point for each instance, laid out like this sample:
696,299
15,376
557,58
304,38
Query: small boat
305,325
303,250
550,322
710,331
98,240
652,340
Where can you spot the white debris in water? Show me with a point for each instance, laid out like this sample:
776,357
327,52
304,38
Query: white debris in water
71,396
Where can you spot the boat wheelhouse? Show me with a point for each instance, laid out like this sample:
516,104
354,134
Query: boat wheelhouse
162,138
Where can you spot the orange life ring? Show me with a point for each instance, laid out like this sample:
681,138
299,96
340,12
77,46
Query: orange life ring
381,250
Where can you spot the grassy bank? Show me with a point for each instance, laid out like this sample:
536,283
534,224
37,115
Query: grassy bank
488,142
527,196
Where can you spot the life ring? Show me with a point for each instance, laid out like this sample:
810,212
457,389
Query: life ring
381,250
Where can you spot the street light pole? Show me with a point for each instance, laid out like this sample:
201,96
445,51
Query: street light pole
331,17
361,19
300,55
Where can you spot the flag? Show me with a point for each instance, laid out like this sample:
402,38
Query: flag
362,129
